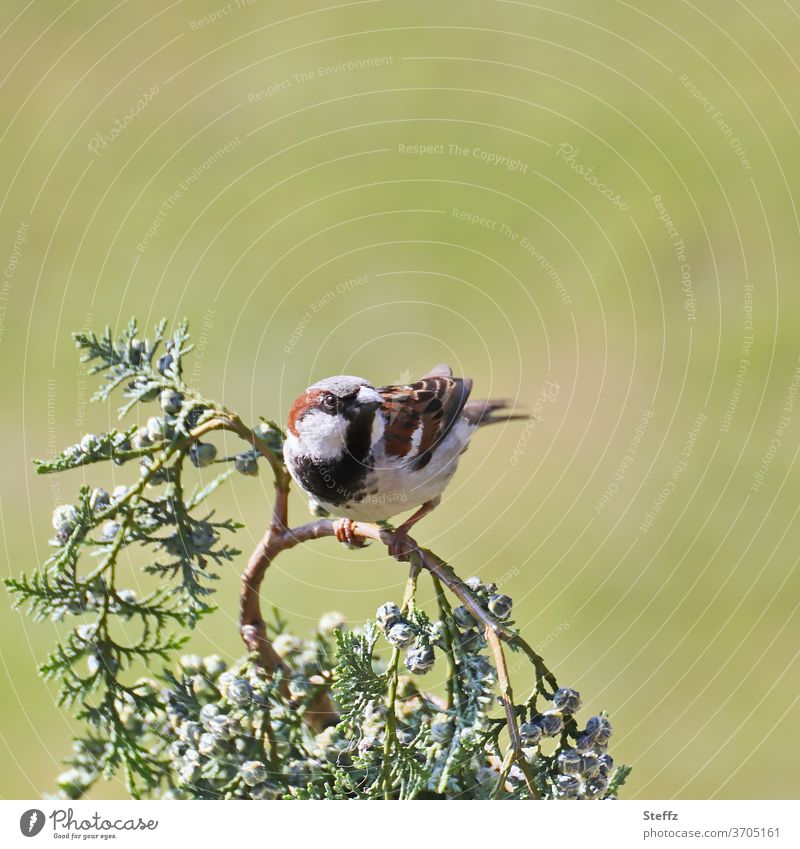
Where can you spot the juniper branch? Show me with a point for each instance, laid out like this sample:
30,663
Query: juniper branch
174,738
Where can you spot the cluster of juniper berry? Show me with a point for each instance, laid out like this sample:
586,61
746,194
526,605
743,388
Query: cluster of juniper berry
234,732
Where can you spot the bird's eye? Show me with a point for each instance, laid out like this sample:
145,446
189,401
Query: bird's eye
329,402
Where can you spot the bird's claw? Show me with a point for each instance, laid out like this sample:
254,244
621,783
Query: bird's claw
344,530
401,546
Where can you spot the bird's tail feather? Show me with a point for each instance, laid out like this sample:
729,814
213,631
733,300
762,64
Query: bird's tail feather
481,413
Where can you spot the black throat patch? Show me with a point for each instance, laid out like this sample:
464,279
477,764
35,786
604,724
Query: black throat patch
341,480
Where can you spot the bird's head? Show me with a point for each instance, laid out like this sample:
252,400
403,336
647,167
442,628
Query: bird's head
325,416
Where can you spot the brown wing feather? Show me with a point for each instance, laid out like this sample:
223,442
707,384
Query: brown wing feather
402,419
430,406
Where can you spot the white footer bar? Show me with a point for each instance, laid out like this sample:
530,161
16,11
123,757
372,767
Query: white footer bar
385,825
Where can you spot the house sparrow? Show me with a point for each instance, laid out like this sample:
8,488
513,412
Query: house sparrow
365,453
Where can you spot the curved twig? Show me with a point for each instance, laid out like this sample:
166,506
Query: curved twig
507,701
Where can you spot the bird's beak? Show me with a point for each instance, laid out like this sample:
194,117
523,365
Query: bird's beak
368,398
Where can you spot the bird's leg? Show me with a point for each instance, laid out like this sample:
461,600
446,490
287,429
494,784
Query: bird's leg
345,533
400,547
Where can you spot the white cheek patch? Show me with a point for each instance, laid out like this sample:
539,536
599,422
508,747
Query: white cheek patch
322,435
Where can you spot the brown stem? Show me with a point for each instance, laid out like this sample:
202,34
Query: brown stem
507,701
449,637
251,623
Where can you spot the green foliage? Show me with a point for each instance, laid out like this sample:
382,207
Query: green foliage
233,732
83,580
355,683
208,731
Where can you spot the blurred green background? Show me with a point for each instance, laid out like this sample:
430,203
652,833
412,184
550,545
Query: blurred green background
598,195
